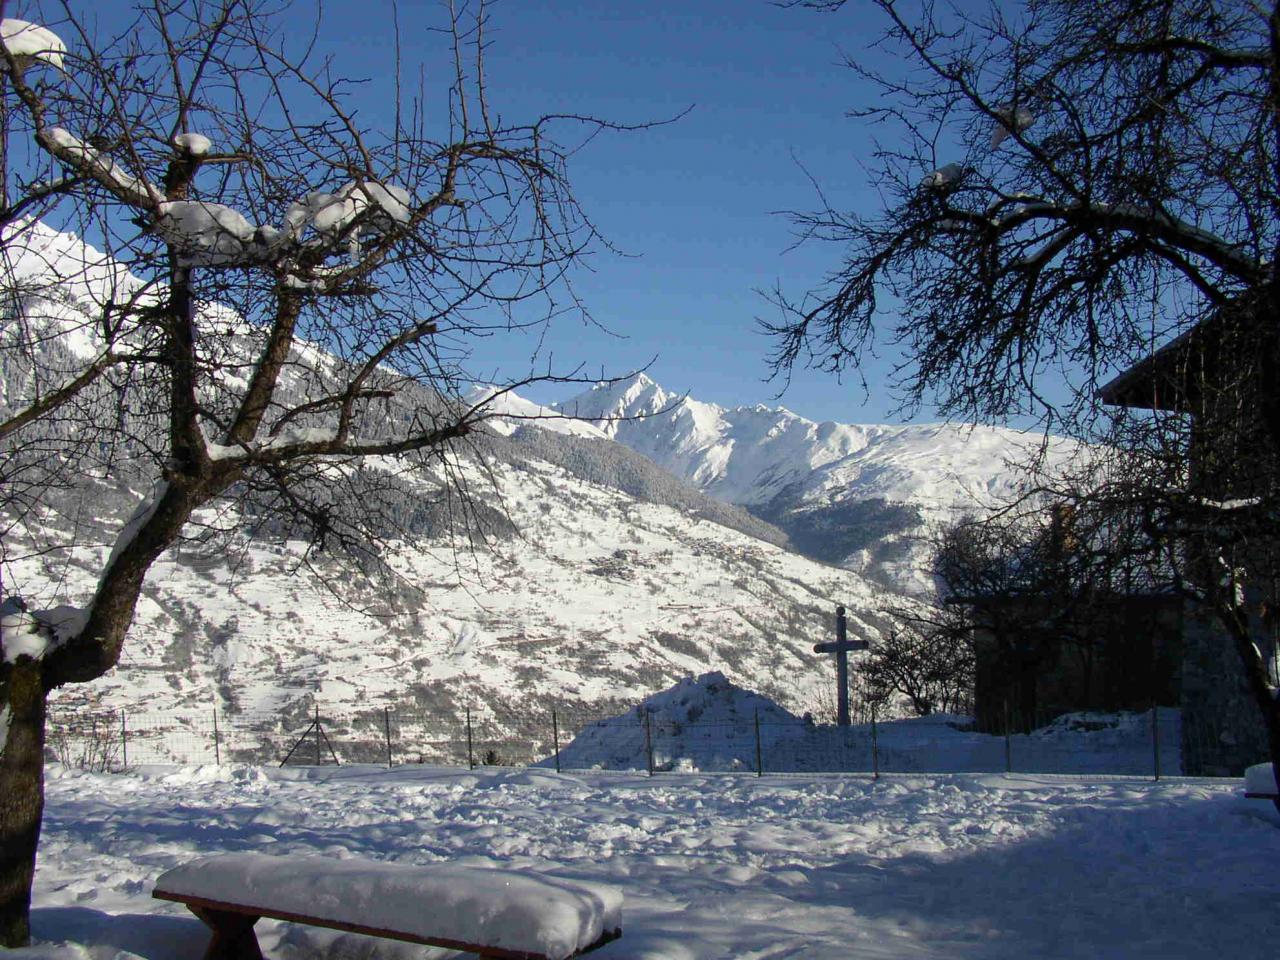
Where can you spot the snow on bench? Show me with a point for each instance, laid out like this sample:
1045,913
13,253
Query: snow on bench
495,912
1260,783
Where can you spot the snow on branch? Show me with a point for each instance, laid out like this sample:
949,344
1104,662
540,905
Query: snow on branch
196,144
1012,120
33,633
208,234
30,43
213,234
1227,506
73,151
144,512
1132,217
1193,236
332,214
943,177
291,438
21,634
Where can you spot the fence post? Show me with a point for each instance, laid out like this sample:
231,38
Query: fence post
217,746
1155,735
1008,750
875,747
124,742
471,759
648,740
759,754
316,704
555,736
386,728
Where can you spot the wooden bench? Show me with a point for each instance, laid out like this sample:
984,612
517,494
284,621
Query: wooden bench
1260,784
494,912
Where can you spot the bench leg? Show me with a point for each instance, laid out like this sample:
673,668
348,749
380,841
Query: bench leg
233,937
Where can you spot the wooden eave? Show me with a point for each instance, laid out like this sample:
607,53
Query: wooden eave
1159,381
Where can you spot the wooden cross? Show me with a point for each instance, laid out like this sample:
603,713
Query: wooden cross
841,648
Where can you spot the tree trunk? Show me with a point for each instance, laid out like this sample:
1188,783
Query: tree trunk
25,684
1236,620
1270,708
22,704
1271,716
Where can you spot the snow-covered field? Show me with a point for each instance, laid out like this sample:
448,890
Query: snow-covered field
959,866
710,724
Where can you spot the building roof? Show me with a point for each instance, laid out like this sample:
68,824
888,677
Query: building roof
1157,596
1158,382
1212,353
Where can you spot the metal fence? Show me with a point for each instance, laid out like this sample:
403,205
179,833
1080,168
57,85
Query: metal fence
1153,743
110,739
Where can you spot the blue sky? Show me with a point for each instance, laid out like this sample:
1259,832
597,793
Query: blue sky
694,203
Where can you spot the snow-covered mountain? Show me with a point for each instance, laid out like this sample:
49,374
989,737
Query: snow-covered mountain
598,599
619,556
753,455
603,577
846,493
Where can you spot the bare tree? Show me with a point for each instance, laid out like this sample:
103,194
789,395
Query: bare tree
1027,572
927,659
1063,600
291,322
1071,185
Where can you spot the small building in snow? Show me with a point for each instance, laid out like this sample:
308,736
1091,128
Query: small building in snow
1039,655
1213,374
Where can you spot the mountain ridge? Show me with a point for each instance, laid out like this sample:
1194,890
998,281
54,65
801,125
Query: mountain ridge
858,495
646,417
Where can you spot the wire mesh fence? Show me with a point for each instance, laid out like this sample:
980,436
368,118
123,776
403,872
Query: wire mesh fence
1155,742
110,739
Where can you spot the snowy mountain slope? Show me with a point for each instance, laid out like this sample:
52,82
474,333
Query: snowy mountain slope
601,599
845,493
36,259
612,465
599,578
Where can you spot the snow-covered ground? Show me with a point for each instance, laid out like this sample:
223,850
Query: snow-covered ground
962,866
710,724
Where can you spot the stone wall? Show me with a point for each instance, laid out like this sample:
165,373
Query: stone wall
1222,731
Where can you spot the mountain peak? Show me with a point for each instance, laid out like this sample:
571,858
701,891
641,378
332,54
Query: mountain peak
611,401
629,386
